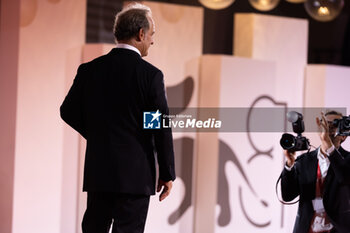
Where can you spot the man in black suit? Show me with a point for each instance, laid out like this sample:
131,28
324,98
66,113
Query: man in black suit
322,181
105,105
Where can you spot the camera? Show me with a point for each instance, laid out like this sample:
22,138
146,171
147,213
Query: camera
343,126
295,143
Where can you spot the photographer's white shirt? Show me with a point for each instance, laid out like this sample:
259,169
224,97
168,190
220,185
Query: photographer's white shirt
323,162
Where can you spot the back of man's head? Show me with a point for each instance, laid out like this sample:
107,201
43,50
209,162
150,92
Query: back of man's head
130,20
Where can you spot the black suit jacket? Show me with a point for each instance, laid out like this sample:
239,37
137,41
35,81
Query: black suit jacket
105,105
301,180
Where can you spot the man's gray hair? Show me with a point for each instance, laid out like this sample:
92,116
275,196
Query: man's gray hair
130,20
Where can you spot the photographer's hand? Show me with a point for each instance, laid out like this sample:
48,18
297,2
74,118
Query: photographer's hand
323,130
290,156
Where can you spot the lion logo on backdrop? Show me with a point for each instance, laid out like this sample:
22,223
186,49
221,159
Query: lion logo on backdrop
180,95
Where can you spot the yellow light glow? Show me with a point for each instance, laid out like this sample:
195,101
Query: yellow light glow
216,4
295,1
322,11
264,2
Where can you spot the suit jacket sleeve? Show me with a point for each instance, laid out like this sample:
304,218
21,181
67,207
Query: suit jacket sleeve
289,183
72,107
341,165
162,137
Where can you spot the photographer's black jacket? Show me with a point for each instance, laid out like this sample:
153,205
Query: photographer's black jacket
301,181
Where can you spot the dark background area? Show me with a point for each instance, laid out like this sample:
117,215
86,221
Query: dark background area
329,42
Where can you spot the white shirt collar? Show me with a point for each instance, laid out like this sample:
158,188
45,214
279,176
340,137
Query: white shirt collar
127,46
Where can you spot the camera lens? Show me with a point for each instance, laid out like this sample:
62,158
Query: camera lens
287,141
347,123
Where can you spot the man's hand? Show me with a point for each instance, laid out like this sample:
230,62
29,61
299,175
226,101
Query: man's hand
290,156
323,129
166,188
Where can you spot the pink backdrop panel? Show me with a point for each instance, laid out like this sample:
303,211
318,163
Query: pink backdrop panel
9,47
45,194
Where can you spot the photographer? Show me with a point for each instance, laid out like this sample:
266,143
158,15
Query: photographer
321,180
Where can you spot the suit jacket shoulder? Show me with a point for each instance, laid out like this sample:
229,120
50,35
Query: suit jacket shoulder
148,65
306,156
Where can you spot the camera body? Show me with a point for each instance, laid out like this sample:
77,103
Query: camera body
290,142
343,126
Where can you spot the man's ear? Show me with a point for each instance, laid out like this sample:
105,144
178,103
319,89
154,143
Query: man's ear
140,35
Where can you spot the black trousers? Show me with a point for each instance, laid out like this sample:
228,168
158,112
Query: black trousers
128,213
